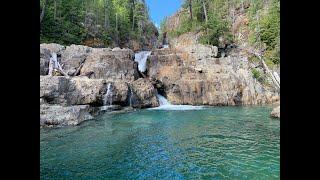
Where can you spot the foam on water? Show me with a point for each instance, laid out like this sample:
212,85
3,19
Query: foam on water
165,105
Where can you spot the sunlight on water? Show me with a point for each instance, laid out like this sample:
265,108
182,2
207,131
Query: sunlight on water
210,143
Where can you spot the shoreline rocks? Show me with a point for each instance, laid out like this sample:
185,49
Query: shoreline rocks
80,95
186,73
275,112
57,115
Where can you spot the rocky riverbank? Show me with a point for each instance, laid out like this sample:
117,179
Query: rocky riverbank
194,74
97,80
80,95
275,112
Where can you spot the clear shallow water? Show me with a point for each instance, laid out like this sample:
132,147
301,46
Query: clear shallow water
211,143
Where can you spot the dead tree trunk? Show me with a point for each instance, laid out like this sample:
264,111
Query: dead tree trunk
43,10
190,9
106,16
55,65
133,9
78,70
269,72
55,9
205,16
266,68
205,11
117,31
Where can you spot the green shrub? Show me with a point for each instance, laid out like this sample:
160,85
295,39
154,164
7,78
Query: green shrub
256,74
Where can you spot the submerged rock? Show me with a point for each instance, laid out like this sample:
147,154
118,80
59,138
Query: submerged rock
275,112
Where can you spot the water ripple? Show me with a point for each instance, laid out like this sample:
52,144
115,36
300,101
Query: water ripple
213,143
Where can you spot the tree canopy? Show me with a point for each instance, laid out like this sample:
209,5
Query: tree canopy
94,22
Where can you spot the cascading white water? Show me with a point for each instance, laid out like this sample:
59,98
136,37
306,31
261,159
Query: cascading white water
165,105
107,99
141,58
162,100
165,46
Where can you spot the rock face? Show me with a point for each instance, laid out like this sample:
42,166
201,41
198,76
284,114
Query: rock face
185,73
97,63
144,94
174,21
69,100
73,56
60,115
192,75
44,61
45,53
276,112
71,91
116,64
52,47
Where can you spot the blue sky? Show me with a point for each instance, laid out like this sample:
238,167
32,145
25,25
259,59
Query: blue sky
159,9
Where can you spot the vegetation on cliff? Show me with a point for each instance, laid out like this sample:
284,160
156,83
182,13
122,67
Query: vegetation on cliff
95,22
221,20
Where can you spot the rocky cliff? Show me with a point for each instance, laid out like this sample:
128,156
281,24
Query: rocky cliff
192,73
90,72
186,73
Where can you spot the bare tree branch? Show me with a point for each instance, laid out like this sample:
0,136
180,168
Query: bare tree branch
43,10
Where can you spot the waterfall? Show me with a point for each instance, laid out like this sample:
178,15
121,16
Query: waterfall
165,105
107,99
141,58
165,46
162,100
